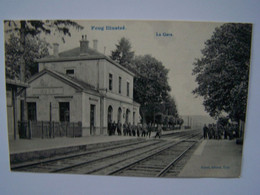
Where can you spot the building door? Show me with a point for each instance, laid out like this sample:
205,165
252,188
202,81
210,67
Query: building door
109,120
92,120
127,116
110,114
119,115
32,114
64,111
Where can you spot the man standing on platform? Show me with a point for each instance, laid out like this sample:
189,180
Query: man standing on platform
205,131
159,131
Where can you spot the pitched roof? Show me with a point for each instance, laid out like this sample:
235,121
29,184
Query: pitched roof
76,83
16,83
74,54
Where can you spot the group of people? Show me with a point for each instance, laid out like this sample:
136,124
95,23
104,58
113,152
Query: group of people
213,131
129,129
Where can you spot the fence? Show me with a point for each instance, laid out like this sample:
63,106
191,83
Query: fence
47,129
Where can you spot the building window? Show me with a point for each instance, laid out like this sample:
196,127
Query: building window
119,84
110,82
127,88
119,114
70,72
127,116
110,114
64,111
31,107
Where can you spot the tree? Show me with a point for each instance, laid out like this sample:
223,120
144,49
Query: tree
123,54
150,85
35,48
171,121
223,71
151,88
170,107
32,28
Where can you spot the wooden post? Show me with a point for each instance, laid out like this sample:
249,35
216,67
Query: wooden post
30,129
80,128
73,129
50,132
66,129
59,128
14,111
53,128
42,130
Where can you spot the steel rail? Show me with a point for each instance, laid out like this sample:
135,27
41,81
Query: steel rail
144,158
63,157
147,157
162,172
98,159
114,163
102,158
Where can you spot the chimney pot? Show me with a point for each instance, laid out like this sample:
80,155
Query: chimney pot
83,45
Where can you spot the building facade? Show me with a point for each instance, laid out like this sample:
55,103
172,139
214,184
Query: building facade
12,87
82,85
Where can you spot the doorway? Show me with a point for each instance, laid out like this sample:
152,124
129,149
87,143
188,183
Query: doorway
92,119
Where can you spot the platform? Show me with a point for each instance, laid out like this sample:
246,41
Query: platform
22,150
28,145
214,158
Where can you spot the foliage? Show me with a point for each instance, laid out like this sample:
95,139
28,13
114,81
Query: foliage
35,27
35,48
123,54
151,88
223,71
169,106
166,120
222,121
171,120
151,85
159,118
32,28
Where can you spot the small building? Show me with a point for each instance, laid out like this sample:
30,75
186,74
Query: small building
82,85
12,89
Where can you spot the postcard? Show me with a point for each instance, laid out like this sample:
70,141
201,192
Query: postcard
127,97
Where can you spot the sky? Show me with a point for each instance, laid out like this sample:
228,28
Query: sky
177,48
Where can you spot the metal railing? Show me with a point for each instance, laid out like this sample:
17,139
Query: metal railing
47,129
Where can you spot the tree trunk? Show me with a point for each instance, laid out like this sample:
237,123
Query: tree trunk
22,70
142,112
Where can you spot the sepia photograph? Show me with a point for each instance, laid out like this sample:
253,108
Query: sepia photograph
132,98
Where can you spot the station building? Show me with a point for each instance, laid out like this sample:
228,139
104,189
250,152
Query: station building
12,88
82,85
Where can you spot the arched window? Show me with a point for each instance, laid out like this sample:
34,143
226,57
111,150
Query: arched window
127,116
110,114
119,113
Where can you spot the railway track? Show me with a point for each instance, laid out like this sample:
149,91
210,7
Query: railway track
153,157
38,164
162,163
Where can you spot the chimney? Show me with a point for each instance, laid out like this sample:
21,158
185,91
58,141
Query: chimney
95,44
56,49
83,45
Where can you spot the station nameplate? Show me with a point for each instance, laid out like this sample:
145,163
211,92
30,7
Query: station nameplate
47,90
